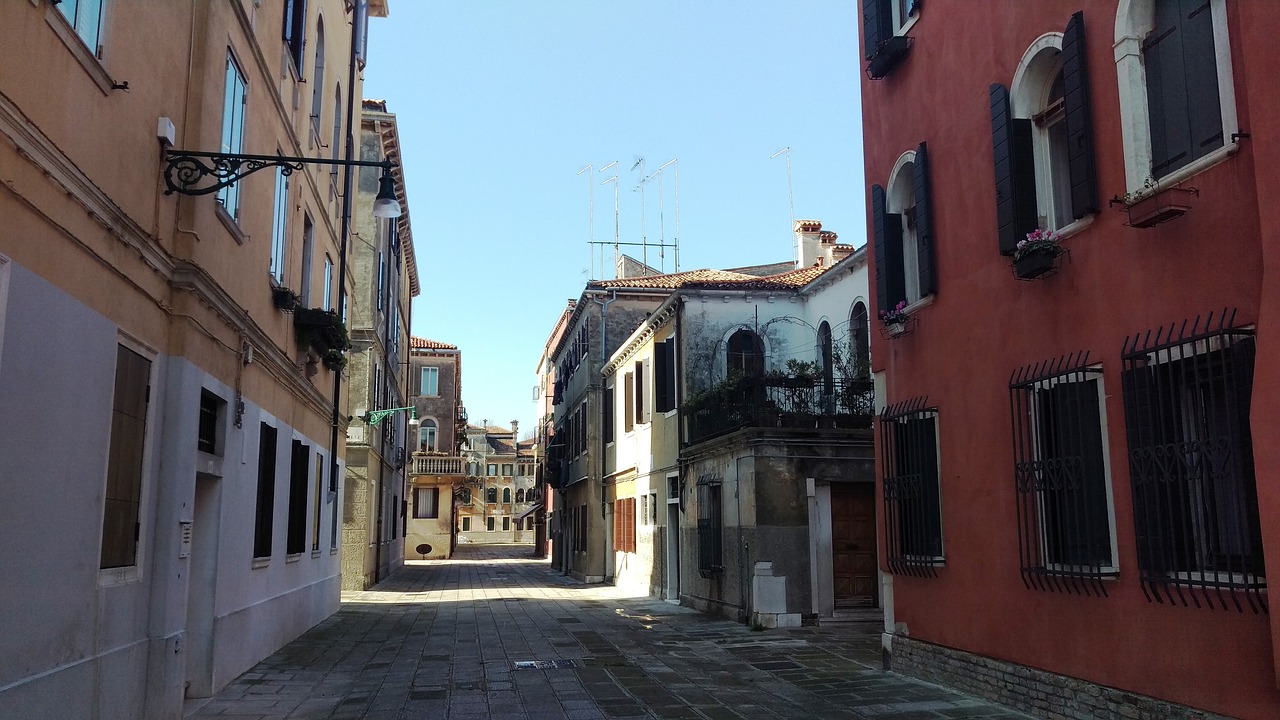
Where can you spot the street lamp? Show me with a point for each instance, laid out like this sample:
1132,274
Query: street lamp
188,172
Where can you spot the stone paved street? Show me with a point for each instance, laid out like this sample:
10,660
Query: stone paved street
445,639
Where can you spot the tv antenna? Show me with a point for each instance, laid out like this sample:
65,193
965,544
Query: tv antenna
591,218
613,180
790,200
662,224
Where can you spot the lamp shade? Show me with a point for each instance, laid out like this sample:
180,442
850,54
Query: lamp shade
385,205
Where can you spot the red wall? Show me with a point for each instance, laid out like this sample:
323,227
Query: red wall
1116,281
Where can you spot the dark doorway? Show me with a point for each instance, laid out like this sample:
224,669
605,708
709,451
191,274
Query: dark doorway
853,544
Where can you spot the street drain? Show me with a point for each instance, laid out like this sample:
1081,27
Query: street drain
544,664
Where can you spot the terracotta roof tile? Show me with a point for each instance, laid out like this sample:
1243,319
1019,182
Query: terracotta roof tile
672,281
425,344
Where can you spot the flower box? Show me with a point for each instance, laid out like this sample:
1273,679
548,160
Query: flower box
1035,264
891,52
320,330
284,298
1163,206
897,329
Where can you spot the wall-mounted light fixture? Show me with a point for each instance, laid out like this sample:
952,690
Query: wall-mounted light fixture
188,172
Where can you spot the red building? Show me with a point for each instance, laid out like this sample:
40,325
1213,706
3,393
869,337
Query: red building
1080,473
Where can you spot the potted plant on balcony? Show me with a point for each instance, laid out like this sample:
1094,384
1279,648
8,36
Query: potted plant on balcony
897,321
334,360
320,330
1151,205
1037,254
284,299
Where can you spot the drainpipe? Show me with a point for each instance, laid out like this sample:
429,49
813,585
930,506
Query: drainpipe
349,155
604,356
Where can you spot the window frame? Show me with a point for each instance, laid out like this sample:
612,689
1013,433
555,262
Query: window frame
127,572
1134,20
232,138
428,510
1172,415
710,525
78,23
429,388
1041,496
895,452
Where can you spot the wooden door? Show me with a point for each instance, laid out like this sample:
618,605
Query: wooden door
853,544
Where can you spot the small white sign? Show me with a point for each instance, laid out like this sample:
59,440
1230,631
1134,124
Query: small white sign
184,545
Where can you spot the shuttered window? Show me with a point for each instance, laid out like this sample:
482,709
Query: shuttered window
264,514
1015,172
924,222
629,402
123,502
664,374
295,30
887,229
299,466
1079,120
1183,102
609,419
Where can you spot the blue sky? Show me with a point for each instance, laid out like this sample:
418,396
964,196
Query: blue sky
501,103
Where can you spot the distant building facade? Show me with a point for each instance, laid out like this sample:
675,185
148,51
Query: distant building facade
437,469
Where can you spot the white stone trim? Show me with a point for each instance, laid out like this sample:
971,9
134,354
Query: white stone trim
1133,22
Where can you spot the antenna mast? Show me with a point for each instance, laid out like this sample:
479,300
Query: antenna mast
591,219
613,180
795,248
644,238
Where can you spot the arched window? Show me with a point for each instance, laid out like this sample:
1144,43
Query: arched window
825,357
1039,137
491,495
745,354
317,79
506,495
427,436
902,220
901,202
860,341
520,495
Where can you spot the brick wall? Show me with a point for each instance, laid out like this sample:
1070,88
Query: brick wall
1044,694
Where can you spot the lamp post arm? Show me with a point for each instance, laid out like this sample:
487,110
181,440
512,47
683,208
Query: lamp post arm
185,171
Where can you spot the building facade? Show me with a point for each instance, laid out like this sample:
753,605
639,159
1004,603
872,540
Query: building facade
738,447
384,279
496,502
545,475
191,530
438,468
1075,470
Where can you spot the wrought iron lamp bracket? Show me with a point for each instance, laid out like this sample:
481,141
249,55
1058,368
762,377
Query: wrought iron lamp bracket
373,417
186,172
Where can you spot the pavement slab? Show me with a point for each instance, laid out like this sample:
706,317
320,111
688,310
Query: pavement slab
496,633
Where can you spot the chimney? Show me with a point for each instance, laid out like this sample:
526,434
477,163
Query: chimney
515,430
808,244
827,248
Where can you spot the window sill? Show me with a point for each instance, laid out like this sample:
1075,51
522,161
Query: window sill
915,305
259,563
315,554
333,551
1184,173
112,577
1076,227
81,52
292,558
230,223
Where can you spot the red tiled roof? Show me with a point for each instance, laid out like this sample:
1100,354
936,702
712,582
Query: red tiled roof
425,344
672,281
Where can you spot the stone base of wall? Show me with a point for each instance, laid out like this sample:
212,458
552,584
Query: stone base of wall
1043,694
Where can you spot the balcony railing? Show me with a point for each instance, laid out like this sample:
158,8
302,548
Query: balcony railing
425,464
794,402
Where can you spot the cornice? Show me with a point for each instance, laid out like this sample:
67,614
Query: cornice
639,338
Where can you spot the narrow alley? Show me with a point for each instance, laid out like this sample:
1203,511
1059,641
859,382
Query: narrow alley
494,633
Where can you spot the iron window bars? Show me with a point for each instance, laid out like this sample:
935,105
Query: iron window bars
1187,391
1060,476
710,525
912,499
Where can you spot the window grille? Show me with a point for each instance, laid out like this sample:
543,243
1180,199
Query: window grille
1187,392
207,439
1060,476
913,512
710,526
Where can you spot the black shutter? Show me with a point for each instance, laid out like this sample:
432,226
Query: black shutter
299,464
662,377
1015,172
1162,55
1204,105
877,21
890,281
1079,119
924,222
